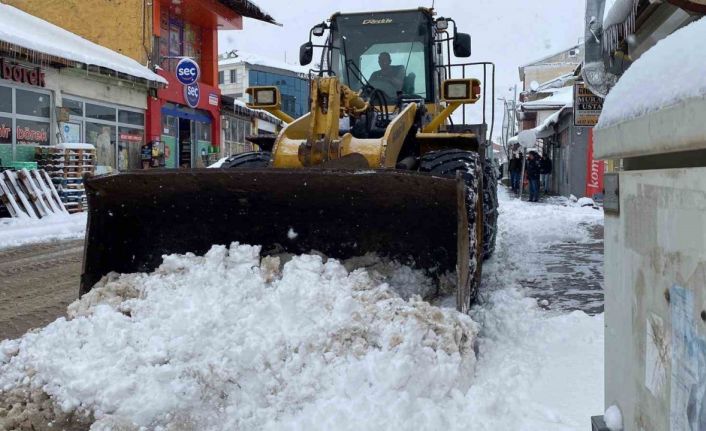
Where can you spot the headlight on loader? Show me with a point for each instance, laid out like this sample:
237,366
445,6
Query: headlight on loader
264,97
461,90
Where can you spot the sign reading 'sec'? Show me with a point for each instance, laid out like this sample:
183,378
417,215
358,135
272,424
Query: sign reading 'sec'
187,71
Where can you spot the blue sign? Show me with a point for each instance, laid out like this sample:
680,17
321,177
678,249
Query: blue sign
192,94
187,71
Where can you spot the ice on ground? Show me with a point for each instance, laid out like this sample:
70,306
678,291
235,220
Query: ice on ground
218,163
672,70
208,343
15,232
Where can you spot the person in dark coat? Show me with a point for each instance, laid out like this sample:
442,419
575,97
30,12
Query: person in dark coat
515,168
533,168
545,168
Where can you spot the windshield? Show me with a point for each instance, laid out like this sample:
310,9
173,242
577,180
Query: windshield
389,51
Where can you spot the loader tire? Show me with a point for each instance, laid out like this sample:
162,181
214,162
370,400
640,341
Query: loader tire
490,209
250,160
447,163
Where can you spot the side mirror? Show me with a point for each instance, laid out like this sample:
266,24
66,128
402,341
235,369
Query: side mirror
462,45
318,30
306,52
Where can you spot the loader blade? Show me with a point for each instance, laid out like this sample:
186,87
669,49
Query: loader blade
136,217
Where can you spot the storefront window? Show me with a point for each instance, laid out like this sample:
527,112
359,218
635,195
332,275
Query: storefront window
75,107
130,143
5,130
100,112
5,99
31,132
103,138
32,103
131,117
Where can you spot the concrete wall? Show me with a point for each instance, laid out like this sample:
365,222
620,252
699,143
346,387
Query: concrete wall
655,297
235,89
115,24
571,158
100,88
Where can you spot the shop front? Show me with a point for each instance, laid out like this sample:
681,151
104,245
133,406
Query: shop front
183,119
26,113
88,95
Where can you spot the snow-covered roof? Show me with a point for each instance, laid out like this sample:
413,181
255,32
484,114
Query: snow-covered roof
239,56
542,60
561,97
557,83
249,9
27,31
669,73
242,104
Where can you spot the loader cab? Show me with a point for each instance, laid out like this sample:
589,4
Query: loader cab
390,51
399,53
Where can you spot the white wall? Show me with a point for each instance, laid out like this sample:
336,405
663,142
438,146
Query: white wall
655,292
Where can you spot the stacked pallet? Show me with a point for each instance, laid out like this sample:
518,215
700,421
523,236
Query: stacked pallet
66,164
29,193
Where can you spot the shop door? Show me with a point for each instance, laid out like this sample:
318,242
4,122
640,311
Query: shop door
170,137
186,146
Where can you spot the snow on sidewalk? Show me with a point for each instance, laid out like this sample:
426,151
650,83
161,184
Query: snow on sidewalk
230,341
16,232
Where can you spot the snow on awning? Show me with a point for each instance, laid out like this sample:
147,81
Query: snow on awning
672,72
27,31
546,129
562,97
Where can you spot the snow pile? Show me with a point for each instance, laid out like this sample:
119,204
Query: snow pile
15,232
613,418
22,29
219,163
671,72
227,341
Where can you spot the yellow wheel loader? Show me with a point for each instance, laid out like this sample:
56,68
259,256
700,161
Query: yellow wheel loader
377,165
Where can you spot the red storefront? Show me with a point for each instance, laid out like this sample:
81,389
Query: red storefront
185,131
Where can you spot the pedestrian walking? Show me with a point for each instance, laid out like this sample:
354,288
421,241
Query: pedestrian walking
545,169
515,168
532,168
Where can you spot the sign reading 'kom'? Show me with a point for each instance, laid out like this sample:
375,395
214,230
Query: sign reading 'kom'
21,74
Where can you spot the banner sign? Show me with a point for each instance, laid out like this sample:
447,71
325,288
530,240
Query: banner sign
594,172
587,106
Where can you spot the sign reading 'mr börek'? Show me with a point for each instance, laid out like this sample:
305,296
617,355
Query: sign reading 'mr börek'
21,74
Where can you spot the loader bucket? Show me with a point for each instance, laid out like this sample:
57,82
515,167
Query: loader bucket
136,217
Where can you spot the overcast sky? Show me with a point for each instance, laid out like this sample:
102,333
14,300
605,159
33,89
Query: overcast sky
507,32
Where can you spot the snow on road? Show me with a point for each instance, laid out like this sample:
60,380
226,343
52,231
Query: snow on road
230,341
21,231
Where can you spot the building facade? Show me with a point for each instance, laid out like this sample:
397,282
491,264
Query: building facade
184,130
239,70
89,94
550,67
239,122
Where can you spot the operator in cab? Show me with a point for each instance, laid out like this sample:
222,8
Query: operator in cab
389,79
